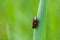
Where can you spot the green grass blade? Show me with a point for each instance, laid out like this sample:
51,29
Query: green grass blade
40,32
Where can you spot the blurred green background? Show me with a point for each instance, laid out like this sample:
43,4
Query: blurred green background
16,19
53,20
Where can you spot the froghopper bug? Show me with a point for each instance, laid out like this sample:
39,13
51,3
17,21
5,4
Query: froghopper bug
35,22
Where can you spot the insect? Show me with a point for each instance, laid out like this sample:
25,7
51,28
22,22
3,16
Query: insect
35,22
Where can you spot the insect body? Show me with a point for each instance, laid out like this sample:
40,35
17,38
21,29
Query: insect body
35,22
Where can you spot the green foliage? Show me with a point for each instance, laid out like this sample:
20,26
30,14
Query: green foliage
53,20
16,20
